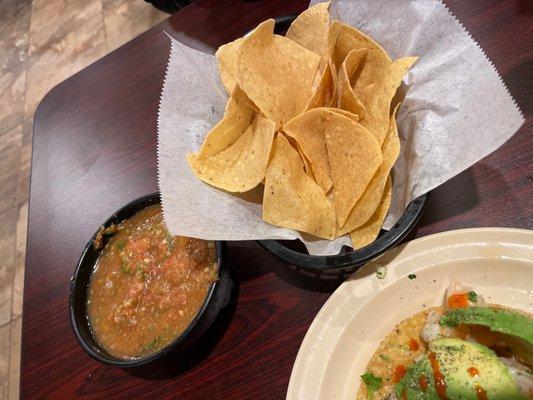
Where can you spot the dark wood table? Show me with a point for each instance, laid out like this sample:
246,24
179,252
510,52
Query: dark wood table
95,149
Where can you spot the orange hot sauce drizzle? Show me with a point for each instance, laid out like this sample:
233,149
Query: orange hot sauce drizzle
481,393
440,384
398,373
473,372
458,300
423,382
413,345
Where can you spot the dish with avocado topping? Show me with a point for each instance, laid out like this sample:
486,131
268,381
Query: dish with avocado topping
466,349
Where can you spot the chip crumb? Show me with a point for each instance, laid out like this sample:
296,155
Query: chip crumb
381,272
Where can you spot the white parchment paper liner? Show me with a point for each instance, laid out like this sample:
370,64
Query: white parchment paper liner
457,110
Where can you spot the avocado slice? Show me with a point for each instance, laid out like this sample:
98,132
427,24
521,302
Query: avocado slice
456,369
496,319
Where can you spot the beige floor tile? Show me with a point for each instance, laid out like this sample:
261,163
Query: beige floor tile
19,262
8,229
12,85
64,57
14,360
5,333
23,189
14,29
11,7
125,19
52,20
10,162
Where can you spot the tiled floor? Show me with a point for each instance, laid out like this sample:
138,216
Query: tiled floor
42,42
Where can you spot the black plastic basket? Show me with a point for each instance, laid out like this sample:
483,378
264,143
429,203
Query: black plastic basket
348,260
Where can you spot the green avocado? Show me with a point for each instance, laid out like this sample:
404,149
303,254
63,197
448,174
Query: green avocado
499,320
466,369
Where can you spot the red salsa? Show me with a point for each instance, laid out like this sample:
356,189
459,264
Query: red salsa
147,285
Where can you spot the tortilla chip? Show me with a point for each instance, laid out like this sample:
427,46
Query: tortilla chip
308,130
242,166
354,156
378,100
325,93
333,33
343,38
346,113
237,118
348,99
310,29
227,63
367,233
335,83
307,164
291,198
276,73
373,194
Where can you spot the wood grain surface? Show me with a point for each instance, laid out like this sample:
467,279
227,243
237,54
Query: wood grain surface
95,150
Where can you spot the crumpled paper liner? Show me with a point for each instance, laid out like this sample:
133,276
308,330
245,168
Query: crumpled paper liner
456,111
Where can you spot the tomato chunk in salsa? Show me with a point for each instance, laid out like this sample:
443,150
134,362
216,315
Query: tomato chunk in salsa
147,285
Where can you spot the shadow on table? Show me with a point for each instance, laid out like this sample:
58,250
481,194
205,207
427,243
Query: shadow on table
175,365
451,199
254,261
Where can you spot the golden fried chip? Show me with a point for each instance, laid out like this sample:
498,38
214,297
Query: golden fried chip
310,29
237,118
325,93
368,232
377,100
241,166
308,130
343,38
291,198
307,164
340,111
348,99
354,155
369,201
227,63
335,83
276,73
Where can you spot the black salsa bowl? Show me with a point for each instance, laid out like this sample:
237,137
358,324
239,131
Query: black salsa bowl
218,296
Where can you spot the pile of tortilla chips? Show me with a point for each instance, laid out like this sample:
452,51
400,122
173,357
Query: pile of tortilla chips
311,117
